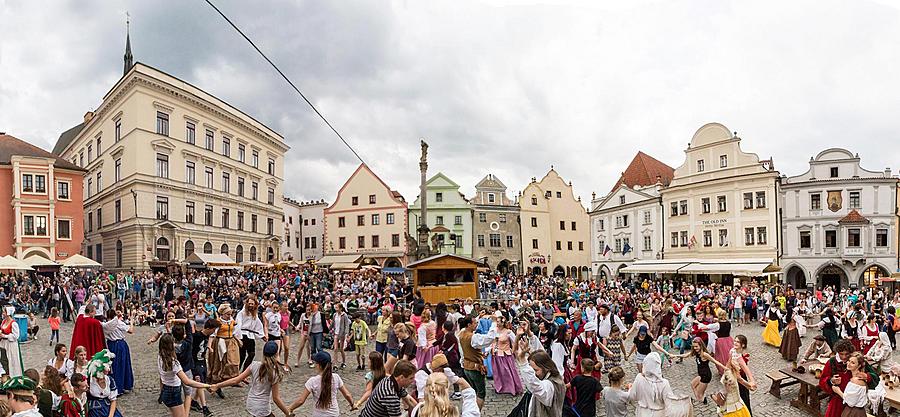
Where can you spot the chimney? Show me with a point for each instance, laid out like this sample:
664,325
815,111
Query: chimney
88,116
887,172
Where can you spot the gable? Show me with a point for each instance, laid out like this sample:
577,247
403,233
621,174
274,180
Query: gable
362,184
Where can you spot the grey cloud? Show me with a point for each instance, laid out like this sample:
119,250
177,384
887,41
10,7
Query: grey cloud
494,87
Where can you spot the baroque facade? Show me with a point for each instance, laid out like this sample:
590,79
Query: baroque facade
840,223
626,224
173,170
495,227
554,228
366,224
721,212
449,217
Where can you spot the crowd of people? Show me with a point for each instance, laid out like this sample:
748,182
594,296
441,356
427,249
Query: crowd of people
550,340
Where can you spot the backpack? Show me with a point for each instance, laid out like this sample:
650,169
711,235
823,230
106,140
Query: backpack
895,324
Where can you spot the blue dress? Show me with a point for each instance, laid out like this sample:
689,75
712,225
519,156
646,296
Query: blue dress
99,399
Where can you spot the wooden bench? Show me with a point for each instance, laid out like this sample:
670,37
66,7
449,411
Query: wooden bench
779,381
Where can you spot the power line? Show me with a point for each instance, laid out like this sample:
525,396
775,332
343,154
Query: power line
286,79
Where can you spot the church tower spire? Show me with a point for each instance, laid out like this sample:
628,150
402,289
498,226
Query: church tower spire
128,57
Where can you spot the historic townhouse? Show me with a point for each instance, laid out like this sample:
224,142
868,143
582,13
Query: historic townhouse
449,217
495,220
721,212
42,209
555,229
840,223
626,224
304,230
173,170
366,224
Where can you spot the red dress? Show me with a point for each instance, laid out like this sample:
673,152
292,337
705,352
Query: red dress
873,337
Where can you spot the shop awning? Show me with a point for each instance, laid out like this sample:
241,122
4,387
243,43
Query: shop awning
393,270
740,267
328,260
654,267
344,266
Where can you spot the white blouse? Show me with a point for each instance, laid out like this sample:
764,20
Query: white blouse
855,395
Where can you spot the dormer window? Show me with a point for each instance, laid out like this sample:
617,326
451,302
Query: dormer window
723,161
621,199
491,197
700,165
439,197
834,172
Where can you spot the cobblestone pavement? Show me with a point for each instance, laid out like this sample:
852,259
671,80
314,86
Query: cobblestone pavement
142,402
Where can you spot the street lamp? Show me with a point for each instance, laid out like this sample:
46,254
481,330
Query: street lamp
134,196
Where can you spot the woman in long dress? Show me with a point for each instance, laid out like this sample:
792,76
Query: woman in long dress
114,329
868,334
771,335
224,350
427,335
650,390
724,343
506,377
734,405
790,343
10,355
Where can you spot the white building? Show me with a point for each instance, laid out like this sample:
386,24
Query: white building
312,230
721,219
839,223
626,224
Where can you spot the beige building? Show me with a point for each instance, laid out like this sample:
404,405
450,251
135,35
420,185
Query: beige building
366,224
173,170
554,229
721,212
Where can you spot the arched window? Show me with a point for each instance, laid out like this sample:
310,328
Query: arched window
253,254
162,249
188,248
118,254
207,247
271,254
239,254
224,250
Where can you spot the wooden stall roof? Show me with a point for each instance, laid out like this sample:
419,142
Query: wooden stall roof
444,261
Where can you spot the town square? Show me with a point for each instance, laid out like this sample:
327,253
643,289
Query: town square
449,209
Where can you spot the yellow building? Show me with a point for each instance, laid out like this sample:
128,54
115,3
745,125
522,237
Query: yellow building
555,229
366,224
721,212
173,170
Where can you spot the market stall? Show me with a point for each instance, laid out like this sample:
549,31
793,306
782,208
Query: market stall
445,277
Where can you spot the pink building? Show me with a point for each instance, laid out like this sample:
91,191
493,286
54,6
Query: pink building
43,214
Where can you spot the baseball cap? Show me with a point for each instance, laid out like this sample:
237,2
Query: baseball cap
270,349
322,358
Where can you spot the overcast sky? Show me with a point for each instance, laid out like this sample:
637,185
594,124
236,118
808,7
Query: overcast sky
494,87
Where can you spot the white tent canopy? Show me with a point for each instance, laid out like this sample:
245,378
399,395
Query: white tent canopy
78,261
38,260
11,263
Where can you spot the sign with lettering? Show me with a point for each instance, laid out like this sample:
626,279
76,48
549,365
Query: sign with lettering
537,258
713,222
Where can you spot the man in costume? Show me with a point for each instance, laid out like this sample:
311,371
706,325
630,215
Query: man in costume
20,396
836,374
73,404
88,332
10,354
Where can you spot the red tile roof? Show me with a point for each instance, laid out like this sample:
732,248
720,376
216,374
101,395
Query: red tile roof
854,218
11,146
643,170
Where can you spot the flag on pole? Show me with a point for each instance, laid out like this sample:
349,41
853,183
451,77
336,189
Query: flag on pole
693,242
626,249
606,250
